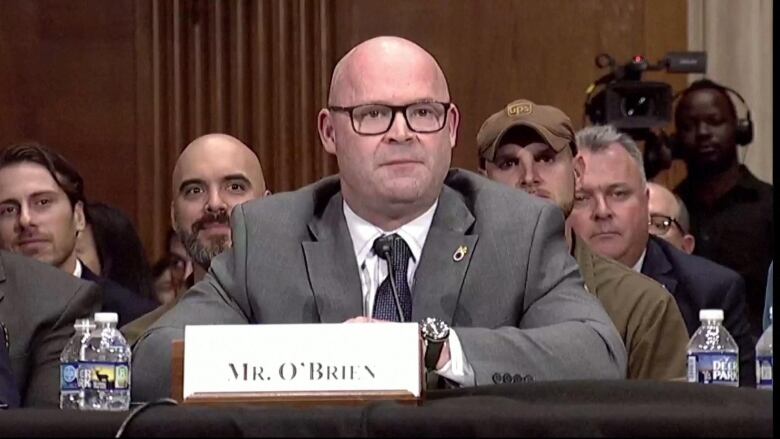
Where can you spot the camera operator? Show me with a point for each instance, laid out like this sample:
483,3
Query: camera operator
730,209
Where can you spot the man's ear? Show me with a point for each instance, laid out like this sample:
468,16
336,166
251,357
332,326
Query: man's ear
579,169
266,193
173,219
688,243
453,118
79,220
326,130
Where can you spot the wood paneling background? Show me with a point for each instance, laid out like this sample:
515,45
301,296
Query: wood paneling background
120,88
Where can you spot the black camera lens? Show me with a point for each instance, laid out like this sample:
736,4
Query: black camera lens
637,106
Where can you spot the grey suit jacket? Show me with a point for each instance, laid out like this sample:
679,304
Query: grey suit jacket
39,304
516,300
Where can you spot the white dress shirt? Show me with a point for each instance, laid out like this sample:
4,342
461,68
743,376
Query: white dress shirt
638,266
78,270
373,271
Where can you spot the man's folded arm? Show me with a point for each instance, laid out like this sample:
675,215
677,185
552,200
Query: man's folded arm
564,332
203,304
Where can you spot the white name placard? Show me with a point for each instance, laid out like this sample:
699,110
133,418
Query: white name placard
340,357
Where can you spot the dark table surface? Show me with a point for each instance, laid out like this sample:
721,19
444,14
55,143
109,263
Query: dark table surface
562,408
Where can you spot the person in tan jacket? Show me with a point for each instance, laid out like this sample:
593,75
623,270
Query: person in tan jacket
532,147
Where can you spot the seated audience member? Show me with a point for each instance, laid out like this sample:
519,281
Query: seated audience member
42,214
179,257
111,248
38,306
9,392
169,280
732,215
532,147
515,299
213,174
669,218
768,299
611,214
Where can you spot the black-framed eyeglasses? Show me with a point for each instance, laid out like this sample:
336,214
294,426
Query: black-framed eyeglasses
420,117
660,224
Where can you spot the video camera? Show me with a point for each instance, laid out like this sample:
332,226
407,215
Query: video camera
630,104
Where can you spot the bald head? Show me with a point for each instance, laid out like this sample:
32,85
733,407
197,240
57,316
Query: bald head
213,174
373,59
669,218
217,149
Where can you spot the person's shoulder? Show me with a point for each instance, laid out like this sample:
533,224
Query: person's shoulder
630,285
295,205
36,278
492,201
698,270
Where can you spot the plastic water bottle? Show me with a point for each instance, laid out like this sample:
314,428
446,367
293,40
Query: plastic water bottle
105,366
71,393
764,362
713,355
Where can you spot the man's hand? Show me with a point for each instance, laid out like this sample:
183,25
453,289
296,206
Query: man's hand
362,319
444,356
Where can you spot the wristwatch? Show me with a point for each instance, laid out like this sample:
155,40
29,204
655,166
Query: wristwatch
435,333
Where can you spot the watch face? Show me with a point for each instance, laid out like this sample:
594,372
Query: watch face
434,329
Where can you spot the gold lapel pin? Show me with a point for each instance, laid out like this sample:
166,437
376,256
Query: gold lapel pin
460,253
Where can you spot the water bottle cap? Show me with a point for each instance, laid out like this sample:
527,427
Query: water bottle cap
106,317
706,314
83,323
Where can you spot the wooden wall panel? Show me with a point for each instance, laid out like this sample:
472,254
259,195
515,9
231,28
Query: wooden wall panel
67,80
255,69
120,88
499,50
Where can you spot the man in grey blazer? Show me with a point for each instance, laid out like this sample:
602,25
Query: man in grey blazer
38,305
489,261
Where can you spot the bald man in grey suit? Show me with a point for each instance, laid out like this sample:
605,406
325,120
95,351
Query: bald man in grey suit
38,305
489,261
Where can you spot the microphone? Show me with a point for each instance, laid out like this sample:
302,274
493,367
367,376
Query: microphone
382,247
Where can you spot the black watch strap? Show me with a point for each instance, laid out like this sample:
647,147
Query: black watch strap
432,354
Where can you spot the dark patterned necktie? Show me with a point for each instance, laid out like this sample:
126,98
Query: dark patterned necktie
384,303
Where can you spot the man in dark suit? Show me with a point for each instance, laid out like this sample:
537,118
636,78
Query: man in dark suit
42,214
38,305
9,392
488,260
611,214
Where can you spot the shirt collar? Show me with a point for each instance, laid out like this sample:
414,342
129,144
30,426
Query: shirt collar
77,271
363,233
638,266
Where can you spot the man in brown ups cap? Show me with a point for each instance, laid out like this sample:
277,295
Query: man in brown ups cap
532,147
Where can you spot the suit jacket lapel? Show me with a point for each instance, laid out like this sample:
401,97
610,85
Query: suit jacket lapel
439,277
658,267
332,267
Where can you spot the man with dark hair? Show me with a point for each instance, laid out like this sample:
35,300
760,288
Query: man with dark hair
42,214
611,214
532,147
731,210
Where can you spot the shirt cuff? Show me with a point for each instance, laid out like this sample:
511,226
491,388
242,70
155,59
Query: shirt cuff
458,368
